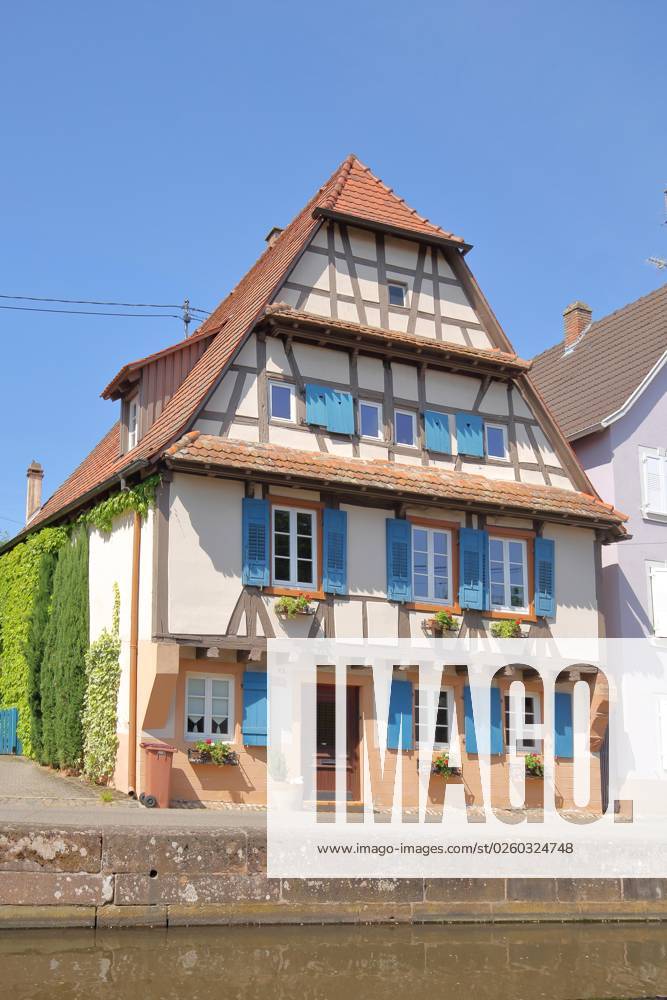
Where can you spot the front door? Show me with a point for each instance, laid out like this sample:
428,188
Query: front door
326,742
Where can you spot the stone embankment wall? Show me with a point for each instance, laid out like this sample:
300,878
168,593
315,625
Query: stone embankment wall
108,878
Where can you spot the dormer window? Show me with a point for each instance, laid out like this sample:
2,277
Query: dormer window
398,293
132,423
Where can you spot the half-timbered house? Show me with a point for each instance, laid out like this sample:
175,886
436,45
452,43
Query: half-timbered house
351,424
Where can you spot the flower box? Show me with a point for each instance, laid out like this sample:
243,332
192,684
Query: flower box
289,607
437,626
204,757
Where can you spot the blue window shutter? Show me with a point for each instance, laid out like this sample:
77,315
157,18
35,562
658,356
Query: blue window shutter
564,741
399,728
496,722
470,434
474,569
334,551
545,578
340,412
316,404
437,431
471,735
399,559
255,542
254,726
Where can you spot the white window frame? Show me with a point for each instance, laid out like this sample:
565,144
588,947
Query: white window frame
292,407
659,625
293,583
430,532
430,722
523,746
378,407
132,417
413,416
652,514
208,698
524,610
503,429
398,284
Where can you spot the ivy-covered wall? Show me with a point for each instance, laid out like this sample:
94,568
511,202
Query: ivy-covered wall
44,631
19,583
63,672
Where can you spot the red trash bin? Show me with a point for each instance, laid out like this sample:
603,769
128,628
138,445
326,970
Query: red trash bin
157,775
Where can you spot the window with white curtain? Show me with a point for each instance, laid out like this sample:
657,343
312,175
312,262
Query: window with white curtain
653,464
209,707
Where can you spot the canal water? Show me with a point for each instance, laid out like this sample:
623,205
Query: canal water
557,962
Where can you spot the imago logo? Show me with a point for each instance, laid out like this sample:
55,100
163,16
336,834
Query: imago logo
463,757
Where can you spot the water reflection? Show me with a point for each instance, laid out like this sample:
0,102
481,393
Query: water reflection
558,962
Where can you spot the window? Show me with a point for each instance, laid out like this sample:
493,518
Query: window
496,441
531,717
209,709
658,580
654,482
431,564
398,293
430,717
281,401
405,431
132,423
370,419
509,575
294,548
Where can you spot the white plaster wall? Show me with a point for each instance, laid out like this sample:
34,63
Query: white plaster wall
348,619
248,402
110,561
370,372
495,400
447,389
248,353
204,553
320,363
576,611
219,400
366,550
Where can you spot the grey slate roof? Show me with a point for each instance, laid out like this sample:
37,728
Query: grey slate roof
606,366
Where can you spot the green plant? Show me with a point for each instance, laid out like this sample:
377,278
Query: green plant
441,766
444,621
106,795
290,607
534,765
219,753
20,570
63,674
99,719
34,650
139,498
507,628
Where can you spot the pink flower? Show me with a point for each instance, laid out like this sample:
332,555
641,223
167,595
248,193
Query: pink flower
210,742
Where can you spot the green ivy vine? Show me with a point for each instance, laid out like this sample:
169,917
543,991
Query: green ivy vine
99,720
139,498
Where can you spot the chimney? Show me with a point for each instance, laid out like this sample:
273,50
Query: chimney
34,495
576,318
272,235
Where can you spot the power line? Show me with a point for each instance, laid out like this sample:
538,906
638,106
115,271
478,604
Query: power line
92,312
97,302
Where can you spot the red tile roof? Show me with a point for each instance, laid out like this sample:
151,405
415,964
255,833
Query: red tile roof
359,193
382,336
455,488
103,462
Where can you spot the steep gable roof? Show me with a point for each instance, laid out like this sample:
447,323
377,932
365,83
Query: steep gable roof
607,365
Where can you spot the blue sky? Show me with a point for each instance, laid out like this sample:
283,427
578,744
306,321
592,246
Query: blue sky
148,147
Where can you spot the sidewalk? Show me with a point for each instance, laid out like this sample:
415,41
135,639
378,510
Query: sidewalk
32,795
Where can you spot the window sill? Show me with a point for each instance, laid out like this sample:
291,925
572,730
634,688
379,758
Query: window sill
283,591
526,616
452,609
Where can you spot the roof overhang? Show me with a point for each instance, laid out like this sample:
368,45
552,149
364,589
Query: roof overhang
328,332
389,230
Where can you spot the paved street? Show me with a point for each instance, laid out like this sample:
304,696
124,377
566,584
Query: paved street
21,779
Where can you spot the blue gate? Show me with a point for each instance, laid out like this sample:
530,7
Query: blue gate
9,741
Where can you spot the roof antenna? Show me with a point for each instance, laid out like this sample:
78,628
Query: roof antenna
187,316
660,262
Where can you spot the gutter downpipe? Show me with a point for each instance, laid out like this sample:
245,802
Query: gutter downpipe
134,656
